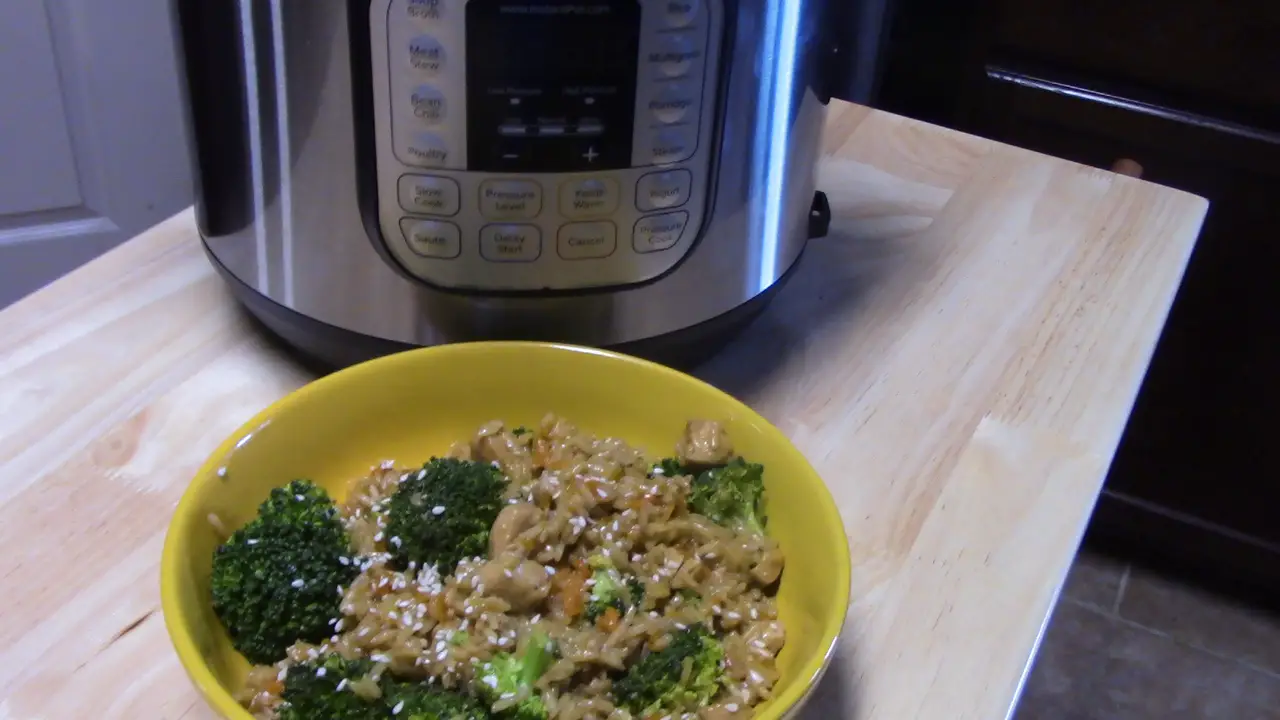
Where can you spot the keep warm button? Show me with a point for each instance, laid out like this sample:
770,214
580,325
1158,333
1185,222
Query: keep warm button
510,243
659,232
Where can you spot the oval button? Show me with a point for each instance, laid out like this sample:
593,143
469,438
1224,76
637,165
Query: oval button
679,13
426,55
432,238
426,150
429,194
675,55
659,232
585,198
662,190
585,241
672,145
672,103
510,199
425,10
510,243
428,104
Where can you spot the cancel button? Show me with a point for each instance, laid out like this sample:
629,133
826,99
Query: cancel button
510,243
582,241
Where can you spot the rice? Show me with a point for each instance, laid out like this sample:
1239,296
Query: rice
571,496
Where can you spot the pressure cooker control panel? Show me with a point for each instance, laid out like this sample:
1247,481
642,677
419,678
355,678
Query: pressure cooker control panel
543,144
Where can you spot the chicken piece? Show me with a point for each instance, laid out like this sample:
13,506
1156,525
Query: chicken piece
705,442
769,567
510,523
523,584
765,636
725,711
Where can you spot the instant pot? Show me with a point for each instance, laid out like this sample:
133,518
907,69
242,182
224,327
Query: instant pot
374,175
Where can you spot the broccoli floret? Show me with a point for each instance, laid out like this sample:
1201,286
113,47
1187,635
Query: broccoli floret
610,589
419,701
311,691
521,430
670,467
732,495
506,673
657,684
443,513
274,581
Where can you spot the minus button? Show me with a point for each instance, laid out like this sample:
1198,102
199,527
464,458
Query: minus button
513,130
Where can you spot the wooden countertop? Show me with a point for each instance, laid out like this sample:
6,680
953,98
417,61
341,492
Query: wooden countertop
958,359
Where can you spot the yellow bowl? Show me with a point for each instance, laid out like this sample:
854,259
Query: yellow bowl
409,406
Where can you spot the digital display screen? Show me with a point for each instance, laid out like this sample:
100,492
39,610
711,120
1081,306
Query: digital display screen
551,84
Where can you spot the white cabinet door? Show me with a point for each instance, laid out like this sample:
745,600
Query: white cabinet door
92,144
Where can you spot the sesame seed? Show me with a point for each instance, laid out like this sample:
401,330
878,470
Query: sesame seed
342,685
338,626
731,707
299,498
321,672
437,510
399,706
298,583
251,541
344,560
395,540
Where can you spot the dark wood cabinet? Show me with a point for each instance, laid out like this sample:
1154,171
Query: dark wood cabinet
1189,90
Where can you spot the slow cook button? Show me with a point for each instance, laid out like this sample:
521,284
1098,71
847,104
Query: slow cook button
426,150
510,199
659,232
510,243
426,55
582,241
432,238
429,194
585,198
428,104
662,190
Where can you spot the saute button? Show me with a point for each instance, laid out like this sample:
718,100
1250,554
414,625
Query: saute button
659,232
510,243
426,55
509,199
432,238
426,149
428,104
662,190
429,194
585,198
581,241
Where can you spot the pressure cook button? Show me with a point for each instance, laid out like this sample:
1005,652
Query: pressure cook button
432,238
672,103
426,55
672,145
659,232
679,13
429,194
588,240
675,55
589,197
429,10
510,199
662,190
426,150
428,104
510,243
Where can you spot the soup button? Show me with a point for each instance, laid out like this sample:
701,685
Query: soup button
659,232
583,241
510,243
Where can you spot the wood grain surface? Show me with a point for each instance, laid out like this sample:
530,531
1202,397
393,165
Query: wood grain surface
957,359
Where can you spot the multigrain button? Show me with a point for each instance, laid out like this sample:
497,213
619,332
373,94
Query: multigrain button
588,240
426,55
672,103
679,13
675,55
510,243
662,190
429,194
425,150
658,232
672,145
510,199
432,238
589,197
428,104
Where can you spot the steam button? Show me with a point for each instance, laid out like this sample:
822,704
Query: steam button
672,145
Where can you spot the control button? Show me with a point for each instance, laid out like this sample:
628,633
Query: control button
510,243
679,13
513,130
588,240
429,10
432,238
659,232
672,103
426,150
672,145
662,190
428,104
510,199
429,194
590,127
675,55
585,198
426,55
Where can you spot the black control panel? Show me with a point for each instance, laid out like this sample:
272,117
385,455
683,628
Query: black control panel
551,85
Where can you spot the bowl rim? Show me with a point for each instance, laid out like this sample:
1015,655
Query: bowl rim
220,697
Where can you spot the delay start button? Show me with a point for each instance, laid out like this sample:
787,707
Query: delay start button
588,240
510,243
659,232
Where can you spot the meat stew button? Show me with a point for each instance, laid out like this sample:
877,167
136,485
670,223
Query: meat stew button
659,232
582,241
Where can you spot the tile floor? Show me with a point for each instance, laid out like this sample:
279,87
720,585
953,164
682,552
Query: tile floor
1128,644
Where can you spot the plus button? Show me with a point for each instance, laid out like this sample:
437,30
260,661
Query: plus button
591,154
